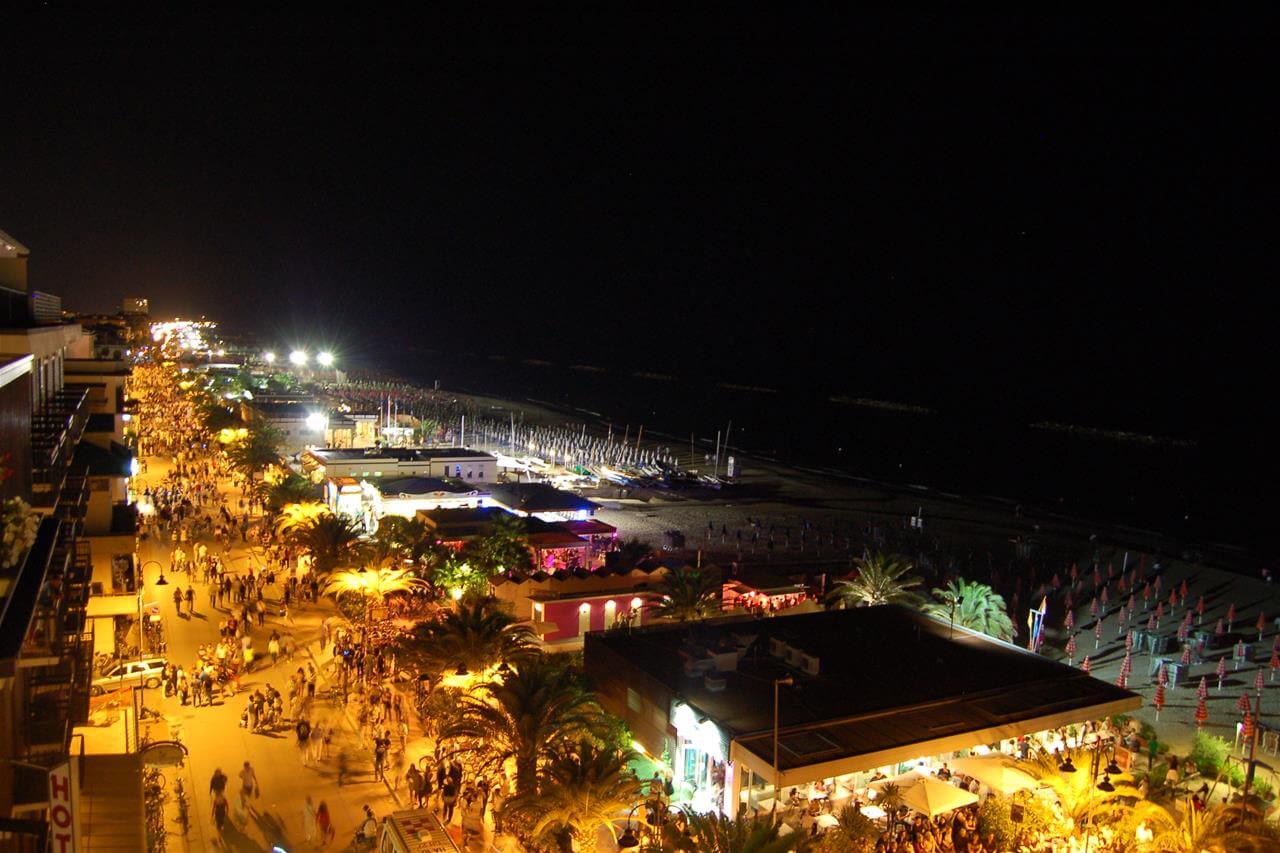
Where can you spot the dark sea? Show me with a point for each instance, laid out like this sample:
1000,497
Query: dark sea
1190,484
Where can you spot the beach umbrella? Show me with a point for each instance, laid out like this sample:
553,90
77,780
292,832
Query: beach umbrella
1200,610
1275,644
1070,620
1158,701
1128,642
933,797
1124,585
1097,577
1057,584
1160,611
1186,655
1126,665
1202,714
1222,672
1133,603
1146,595
1162,676
1203,690
1122,680
1262,624
1071,649
995,771
1106,599
1275,664
1219,629
1183,632
1231,615
1182,592
1242,704
1084,664
1238,654
1173,599
1246,728
1257,681
1151,623
1109,570
1158,584
1097,633
1093,607
1075,574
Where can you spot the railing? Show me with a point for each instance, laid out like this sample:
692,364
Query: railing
56,429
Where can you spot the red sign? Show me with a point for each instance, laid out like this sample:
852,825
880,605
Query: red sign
64,813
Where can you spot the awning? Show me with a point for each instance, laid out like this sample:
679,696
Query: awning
932,797
111,605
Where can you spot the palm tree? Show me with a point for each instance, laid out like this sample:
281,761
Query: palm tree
1078,797
528,717
976,606
688,594
631,552
882,579
372,585
505,548
295,515
293,489
581,791
331,540
1214,830
256,452
475,637
715,833
411,537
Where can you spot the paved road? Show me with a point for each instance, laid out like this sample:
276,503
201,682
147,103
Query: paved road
215,739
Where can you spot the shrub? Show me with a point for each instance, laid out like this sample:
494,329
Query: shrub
1208,753
994,817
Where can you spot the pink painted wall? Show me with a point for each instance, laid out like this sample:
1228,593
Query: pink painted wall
564,614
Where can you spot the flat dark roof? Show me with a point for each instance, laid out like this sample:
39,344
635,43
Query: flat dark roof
401,454
887,676
424,485
540,497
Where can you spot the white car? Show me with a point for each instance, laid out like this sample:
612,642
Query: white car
127,673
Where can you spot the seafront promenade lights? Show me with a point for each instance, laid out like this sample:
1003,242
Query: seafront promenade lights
269,357
317,421
325,359
298,357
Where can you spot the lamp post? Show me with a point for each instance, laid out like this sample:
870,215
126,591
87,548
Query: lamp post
958,600
628,840
160,581
777,779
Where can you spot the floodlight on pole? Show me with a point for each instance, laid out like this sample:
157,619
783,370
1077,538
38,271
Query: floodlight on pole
269,357
298,357
325,359
316,421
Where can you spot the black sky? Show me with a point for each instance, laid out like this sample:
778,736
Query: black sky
917,206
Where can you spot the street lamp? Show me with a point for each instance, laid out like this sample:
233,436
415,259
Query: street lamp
298,357
628,840
777,779
269,357
325,359
161,581
959,599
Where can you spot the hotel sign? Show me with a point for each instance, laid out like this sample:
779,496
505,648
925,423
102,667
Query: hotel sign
64,808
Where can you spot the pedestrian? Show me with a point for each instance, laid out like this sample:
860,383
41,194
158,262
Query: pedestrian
448,800
379,759
308,820
342,767
324,824
177,600
191,600
220,808
424,789
303,732
218,782
273,646
248,786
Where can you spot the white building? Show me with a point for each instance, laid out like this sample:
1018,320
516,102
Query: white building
393,463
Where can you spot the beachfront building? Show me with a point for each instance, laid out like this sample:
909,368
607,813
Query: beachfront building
563,606
553,546
393,463
544,501
870,689
372,499
301,422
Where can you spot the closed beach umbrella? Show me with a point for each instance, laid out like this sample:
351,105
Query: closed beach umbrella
1219,629
1200,610
1262,624
1158,701
1173,599
1093,607
1122,680
1070,620
1222,671
1202,714
1151,623
1071,648
1246,728
1257,682
1128,642
1084,664
1186,655
1203,690
1097,633
1162,676
1275,664
1182,591
1242,704
1231,615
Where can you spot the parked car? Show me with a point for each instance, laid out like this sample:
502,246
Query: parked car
127,673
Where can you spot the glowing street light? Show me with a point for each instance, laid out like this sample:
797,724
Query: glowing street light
325,359
298,357
316,421
269,357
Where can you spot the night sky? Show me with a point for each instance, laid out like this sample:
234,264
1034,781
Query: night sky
913,207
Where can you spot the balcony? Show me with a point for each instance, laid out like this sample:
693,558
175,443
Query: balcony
55,431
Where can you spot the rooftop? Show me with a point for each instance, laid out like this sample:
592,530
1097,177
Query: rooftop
400,454
424,486
888,677
540,497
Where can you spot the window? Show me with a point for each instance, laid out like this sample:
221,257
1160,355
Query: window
633,700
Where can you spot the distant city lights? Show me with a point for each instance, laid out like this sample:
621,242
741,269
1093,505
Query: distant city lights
298,357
